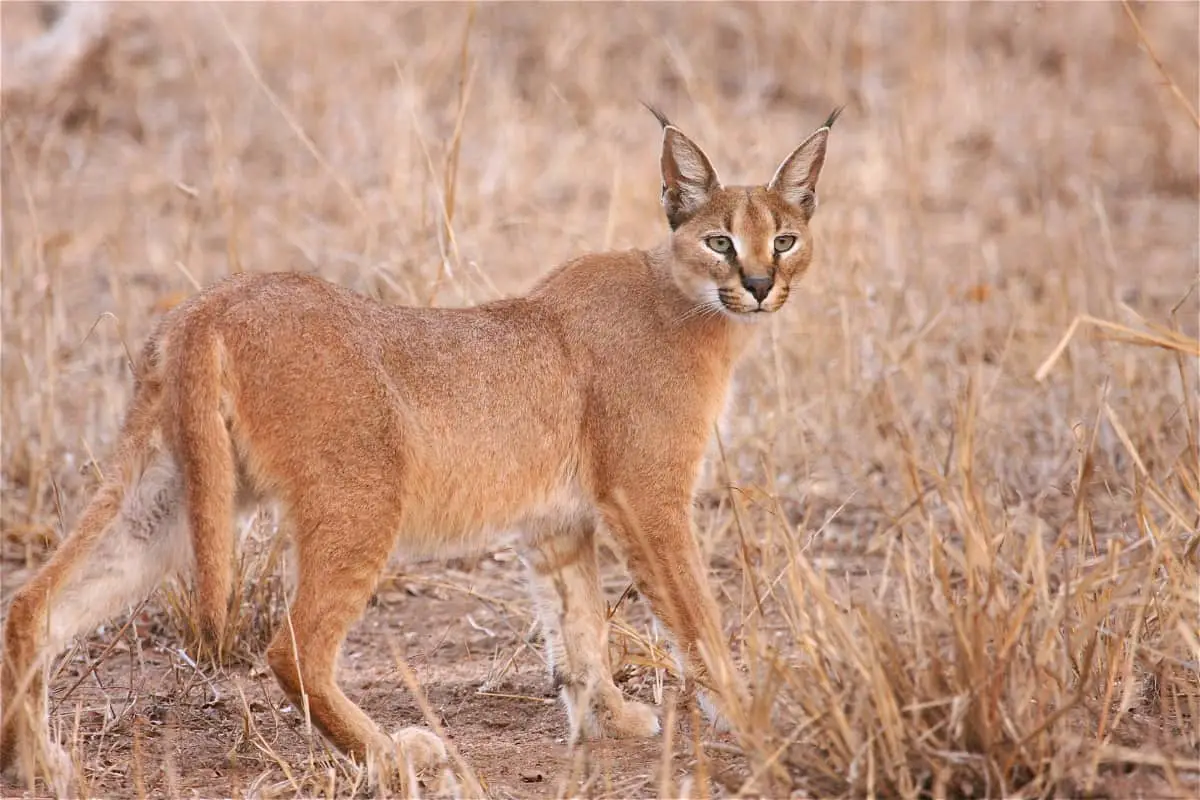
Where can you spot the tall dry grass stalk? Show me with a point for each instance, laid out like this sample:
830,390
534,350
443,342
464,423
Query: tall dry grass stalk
994,658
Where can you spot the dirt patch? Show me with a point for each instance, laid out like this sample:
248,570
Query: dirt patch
149,718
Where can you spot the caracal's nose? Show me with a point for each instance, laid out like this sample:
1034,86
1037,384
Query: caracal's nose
759,287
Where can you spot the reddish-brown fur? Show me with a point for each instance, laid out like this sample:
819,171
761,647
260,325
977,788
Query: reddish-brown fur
589,401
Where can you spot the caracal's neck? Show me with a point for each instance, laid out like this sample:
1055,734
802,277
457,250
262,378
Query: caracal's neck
715,332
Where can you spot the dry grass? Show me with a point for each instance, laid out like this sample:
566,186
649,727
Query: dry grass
958,551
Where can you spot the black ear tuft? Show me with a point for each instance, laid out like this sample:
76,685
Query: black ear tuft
688,178
837,112
660,116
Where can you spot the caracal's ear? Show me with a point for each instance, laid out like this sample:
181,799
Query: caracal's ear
796,178
688,179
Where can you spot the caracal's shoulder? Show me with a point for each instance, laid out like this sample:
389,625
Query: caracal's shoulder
601,272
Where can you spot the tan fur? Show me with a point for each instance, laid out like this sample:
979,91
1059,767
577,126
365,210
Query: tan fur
587,402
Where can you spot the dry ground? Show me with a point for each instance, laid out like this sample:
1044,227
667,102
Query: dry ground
972,582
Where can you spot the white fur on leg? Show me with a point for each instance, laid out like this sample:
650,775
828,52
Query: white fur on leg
50,760
143,544
581,721
711,712
61,769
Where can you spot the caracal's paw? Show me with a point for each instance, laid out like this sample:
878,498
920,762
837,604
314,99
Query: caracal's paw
52,763
628,720
414,753
421,749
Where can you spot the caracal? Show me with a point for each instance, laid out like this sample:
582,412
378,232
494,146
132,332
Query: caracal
589,401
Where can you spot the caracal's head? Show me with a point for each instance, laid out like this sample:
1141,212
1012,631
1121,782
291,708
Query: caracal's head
737,249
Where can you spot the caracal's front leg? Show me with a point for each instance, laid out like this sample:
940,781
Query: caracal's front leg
656,533
565,581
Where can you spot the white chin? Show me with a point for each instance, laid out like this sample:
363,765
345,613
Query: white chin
747,317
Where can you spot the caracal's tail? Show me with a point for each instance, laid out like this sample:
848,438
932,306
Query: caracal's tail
203,448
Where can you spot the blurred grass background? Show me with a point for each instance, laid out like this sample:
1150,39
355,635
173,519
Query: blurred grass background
1000,169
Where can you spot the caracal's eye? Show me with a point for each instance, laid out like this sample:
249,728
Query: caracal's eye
719,244
784,243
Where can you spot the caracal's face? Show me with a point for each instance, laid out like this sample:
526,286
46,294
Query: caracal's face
737,249
740,254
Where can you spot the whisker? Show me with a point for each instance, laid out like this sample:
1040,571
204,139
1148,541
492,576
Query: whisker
702,310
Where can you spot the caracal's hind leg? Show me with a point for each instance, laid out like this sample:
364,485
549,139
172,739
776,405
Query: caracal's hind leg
340,562
565,581
126,542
